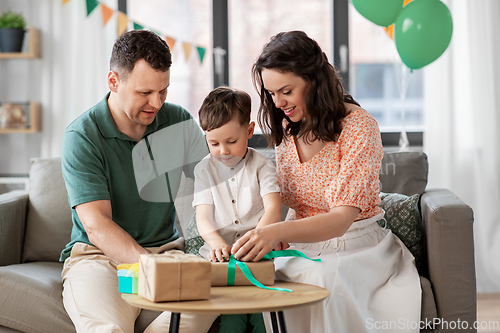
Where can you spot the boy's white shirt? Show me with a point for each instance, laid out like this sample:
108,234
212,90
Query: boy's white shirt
246,183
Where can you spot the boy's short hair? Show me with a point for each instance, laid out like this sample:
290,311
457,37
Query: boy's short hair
221,105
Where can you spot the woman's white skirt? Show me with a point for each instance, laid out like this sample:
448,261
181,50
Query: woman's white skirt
373,283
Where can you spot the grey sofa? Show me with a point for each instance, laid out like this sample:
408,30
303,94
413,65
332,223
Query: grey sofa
36,225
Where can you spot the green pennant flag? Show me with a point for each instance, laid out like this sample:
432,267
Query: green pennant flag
156,32
138,26
91,5
201,52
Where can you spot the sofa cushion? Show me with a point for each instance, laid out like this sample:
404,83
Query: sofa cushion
403,219
48,226
193,240
404,172
31,299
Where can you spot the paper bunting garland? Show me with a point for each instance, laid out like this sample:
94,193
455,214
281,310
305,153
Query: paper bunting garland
106,14
201,52
187,49
91,5
123,21
170,42
138,26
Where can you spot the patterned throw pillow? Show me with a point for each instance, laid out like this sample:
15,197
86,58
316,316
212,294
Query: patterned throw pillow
403,219
193,240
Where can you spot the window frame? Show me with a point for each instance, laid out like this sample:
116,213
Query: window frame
220,17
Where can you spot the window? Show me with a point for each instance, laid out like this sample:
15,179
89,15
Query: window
376,75
190,22
253,23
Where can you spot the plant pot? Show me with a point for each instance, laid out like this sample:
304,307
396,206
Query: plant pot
11,40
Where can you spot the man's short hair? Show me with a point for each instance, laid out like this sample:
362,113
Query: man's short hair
223,104
135,45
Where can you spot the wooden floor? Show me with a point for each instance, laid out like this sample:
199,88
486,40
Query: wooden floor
488,313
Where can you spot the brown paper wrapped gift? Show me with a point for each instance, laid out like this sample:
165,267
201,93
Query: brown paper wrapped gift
173,276
263,271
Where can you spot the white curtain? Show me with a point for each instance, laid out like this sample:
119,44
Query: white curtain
462,94
74,64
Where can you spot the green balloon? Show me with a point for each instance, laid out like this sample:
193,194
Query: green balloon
380,12
422,32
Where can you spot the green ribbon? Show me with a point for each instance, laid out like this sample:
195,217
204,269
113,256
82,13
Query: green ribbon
231,270
231,267
287,253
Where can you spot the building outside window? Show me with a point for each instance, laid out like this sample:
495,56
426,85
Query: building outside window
253,23
376,75
373,68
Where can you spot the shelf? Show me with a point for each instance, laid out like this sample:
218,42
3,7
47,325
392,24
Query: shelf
33,47
34,121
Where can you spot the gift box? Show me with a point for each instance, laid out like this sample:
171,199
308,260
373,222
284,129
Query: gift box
128,278
174,276
263,271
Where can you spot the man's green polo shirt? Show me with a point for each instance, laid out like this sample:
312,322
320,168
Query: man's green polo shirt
97,164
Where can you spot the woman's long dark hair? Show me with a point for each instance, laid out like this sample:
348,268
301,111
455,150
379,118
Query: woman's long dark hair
294,52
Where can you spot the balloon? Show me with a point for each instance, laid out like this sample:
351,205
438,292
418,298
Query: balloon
422,32
380,12
390,29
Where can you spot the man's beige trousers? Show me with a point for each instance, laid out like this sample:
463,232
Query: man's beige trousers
91,298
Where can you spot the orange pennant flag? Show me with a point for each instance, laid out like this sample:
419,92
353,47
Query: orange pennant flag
187,49
390,31
106,13
65,2
170,42
122,23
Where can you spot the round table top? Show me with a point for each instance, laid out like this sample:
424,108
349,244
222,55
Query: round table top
240,299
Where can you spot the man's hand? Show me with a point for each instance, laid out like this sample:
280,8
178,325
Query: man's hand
105,234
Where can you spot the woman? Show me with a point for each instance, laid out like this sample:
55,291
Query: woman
328,155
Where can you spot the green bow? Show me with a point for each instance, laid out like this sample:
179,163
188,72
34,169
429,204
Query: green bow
231,268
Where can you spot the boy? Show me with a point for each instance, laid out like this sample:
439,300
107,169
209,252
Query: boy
235,186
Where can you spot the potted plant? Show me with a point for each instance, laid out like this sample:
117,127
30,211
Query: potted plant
12,29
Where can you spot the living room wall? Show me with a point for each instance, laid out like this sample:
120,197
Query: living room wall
69,77
21,81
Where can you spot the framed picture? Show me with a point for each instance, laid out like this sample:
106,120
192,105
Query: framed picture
14,115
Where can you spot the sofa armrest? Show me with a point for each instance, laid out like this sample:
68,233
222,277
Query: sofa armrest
448,224
13,210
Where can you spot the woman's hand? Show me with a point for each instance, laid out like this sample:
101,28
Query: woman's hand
220,252
256,243
281,246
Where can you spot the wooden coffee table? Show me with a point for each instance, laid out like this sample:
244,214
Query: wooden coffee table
239,300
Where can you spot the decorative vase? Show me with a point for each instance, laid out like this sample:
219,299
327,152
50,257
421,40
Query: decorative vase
11,40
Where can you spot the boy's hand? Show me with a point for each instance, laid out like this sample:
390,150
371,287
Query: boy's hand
220,252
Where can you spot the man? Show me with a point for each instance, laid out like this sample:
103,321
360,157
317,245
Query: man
112,223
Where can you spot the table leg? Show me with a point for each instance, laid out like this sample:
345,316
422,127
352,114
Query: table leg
274,322
281,318
175,319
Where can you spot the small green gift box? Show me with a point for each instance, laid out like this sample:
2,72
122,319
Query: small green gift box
128,278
